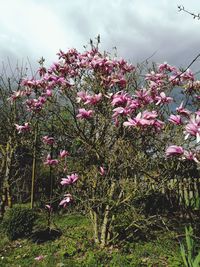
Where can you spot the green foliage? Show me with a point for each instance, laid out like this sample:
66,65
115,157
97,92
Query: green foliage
188,251
18,222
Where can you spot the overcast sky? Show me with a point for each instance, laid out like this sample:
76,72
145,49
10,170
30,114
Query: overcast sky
138,28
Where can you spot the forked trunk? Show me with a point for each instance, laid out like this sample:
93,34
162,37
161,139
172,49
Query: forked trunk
106,219
94,217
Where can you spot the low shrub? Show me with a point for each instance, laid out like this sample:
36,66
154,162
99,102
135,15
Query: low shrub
18,222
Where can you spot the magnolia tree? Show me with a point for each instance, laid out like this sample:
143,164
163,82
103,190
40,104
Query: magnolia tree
113,131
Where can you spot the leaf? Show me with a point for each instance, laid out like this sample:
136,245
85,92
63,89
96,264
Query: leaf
189,242
183,254
196,262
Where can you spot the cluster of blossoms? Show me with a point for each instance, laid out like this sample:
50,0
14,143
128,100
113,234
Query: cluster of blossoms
72,64
179,151
191,132
140,110
53,162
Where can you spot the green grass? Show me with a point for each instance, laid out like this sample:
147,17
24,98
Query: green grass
76,248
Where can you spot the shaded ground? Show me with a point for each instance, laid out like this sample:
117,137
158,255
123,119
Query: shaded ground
75,247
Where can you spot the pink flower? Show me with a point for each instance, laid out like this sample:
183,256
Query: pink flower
93,99
88,99
39,258
143,119
166,67
84,114
48,207
64,153
182,110
188,75
193,128
49,161
82,96
35,104
174,151
22,128
48,92
163,99
67,199
137,121
158,124
71,179
190,156
120,98
15,95
48,140
175,119
149,114
120,111
143,95
102,171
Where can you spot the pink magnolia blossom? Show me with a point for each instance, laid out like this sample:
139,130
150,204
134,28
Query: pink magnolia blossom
149,114
82,96
163,99
66,200
49,161
120,98
156,77
143,95
116,79
134,122
193,128
64,153
181,110
48,140
84,114
93,99
187,76
144,118
71,179
48,207
157,124
48,93
102,171
137,121
174,151
166,67
189,155
35,104
175,119
15,95
120,111
22,128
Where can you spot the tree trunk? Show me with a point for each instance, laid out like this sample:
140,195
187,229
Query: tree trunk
6,191
34,166
93,215
106,219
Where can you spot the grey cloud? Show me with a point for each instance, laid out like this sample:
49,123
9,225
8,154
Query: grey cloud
137,28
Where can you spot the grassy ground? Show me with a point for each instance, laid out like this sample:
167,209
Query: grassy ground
75,247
